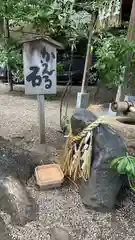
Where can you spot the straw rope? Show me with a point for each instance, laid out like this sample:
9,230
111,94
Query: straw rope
76,161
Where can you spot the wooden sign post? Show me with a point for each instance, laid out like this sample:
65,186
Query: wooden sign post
40,99
40,74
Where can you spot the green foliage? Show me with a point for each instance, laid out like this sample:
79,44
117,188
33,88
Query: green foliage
125,166
98,4
60,67
56,18
91,5
50,17
14,56
113,57
69,21
11,55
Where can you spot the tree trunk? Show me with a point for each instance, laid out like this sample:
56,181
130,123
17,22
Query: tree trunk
126,86
131,28
7,36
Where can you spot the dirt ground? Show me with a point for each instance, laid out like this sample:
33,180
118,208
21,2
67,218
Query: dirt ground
59,207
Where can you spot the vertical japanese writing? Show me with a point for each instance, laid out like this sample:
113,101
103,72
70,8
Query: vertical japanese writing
46,73
42,74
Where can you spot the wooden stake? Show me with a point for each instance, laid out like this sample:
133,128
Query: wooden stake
41,118
91,26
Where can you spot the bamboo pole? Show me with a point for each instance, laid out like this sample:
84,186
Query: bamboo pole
83,90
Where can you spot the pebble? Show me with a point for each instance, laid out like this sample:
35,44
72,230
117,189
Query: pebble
59,233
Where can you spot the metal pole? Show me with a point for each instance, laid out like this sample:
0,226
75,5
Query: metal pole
41,118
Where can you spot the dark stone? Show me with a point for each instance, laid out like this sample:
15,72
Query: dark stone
101,190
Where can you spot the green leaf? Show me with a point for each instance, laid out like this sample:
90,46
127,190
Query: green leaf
129,167
122,166
132,168
115,162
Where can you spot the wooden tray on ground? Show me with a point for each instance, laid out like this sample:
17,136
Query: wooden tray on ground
49,176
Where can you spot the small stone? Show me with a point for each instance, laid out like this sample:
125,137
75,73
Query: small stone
58,233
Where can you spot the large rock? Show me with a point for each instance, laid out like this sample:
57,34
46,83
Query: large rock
16,201
16,167
101,189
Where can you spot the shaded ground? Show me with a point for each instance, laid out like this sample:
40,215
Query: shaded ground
60,207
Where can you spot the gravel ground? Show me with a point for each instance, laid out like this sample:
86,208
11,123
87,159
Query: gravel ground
60,207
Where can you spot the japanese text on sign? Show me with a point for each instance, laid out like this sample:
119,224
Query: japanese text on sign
40,69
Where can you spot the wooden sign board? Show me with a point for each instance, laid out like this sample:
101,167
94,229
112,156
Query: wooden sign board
39,67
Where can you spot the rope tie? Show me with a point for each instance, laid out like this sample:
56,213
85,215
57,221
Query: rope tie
76,161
